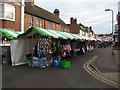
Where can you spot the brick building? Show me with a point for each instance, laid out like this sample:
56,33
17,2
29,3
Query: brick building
74,27
105,37
19,16
86,31
80,29
10,16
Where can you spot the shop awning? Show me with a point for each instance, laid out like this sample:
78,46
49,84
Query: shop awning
77,36
10,34
52,33
44,32
93,39
86,38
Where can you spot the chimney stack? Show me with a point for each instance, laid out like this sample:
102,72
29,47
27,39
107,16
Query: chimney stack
75,21
71,20
57,12
90,28
31,2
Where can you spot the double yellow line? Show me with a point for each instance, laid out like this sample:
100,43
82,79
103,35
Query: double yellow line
97,74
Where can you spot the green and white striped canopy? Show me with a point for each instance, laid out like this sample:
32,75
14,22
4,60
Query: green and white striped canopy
54,34
10,34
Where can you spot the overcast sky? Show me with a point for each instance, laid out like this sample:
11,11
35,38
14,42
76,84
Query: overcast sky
88,12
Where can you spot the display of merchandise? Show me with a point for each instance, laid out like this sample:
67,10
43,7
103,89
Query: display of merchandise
53,52
65,64
56,63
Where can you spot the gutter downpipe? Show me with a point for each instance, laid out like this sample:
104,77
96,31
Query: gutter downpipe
22,16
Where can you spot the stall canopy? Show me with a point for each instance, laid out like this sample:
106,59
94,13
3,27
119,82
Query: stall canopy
99,40
93,39
54,34
51,33
86,38
10,34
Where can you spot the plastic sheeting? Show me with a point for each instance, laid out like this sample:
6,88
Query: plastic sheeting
19,49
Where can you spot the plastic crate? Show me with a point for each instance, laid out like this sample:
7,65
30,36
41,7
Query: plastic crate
29,63
65,64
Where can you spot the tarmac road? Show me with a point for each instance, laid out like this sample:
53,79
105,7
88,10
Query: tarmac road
53,77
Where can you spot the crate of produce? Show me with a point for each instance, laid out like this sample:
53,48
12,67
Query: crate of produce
65,64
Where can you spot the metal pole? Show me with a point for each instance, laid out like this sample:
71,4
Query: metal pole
112,24
113,39
113,30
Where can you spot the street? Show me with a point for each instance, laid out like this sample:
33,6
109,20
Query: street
53,77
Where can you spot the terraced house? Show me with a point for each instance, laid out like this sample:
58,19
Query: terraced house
19,16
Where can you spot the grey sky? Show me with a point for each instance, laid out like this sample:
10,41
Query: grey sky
87,12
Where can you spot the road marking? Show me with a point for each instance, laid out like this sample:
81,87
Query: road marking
95,67
91,72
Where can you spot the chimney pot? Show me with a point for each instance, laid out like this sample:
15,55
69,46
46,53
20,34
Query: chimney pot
57,12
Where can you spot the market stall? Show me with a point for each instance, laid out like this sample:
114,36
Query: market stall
41,43
42,48
6,37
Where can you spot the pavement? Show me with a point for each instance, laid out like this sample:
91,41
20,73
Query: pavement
106,66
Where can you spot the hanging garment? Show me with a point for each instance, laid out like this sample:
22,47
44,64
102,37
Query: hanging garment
87,48
54,43
91,47
68,47
64,47
39,52
33,50
73,45
83,50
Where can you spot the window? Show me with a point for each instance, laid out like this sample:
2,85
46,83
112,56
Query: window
61,28
1,10
65,29
7,11
41,23
54,25
31,21
37,23
49,25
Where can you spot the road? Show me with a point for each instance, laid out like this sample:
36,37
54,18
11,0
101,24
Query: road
53,77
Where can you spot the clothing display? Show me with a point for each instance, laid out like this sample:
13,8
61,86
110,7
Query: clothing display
48,52
68,47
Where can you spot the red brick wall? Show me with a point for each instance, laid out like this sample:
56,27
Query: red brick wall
74,27
53,28
43,24
16,24
26,22
13,24
46,24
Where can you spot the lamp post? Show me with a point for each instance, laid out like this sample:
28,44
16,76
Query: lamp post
112,25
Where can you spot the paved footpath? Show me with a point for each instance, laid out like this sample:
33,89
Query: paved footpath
108,66
53,77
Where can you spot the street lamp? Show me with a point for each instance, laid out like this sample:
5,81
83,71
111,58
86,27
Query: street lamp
112,25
